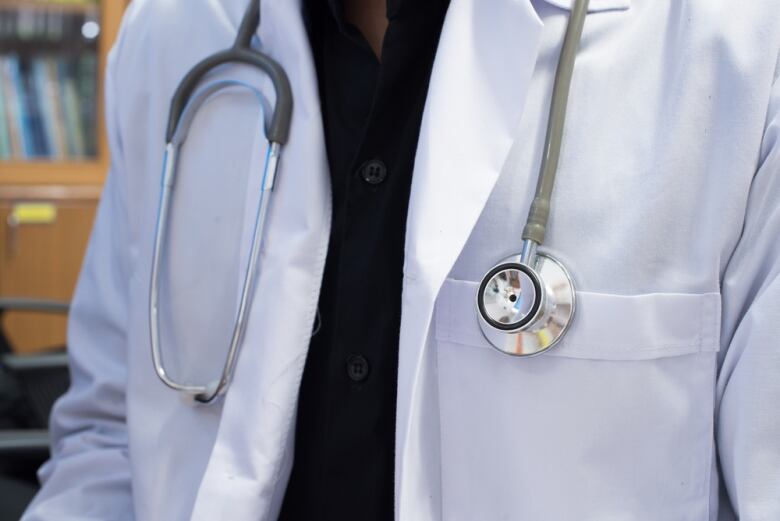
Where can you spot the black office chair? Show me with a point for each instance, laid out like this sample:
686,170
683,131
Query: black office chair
29,386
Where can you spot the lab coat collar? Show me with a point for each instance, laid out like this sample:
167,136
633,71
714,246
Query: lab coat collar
595,5
480,78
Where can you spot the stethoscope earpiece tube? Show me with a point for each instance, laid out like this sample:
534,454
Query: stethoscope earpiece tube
185,103
249,24
278,128
539,212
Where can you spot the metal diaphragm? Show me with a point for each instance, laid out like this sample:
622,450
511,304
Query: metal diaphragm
524,310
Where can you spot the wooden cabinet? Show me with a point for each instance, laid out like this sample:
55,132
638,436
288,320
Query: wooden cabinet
42,260
41,254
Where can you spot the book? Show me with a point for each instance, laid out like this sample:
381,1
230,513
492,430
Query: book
45,93
23,125
6,150
49,76
40,144
12,108
87,71
69,96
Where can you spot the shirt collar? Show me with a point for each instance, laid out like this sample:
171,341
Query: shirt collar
395,8
336,9
594,5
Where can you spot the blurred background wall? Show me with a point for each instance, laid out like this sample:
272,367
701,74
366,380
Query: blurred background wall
53,160
53,153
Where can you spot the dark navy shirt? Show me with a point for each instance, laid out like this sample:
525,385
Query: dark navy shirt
372,109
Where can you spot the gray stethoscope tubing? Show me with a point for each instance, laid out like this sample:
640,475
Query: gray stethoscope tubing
539,212
184,105
526,303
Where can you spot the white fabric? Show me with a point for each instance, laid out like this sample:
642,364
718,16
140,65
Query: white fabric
672,324
661,404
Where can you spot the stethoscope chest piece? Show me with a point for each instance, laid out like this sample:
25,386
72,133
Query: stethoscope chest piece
525,304
525,310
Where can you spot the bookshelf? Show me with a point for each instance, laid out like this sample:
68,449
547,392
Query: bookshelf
83,167
53,150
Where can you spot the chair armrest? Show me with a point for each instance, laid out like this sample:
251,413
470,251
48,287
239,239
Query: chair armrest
16,444
41,379
30,363
27,305
33,305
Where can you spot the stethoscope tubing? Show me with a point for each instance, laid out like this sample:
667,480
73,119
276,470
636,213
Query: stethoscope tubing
539,212
207,393
553,294
185,103
277,128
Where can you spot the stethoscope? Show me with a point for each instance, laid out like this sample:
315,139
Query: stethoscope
525,303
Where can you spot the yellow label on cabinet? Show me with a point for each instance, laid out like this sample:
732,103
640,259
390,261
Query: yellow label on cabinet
34,213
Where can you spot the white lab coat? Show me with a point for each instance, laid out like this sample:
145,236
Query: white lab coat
660,405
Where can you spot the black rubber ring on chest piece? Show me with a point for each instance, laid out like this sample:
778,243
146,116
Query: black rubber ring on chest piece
534,308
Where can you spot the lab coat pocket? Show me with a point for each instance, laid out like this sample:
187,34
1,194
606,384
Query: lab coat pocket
614,423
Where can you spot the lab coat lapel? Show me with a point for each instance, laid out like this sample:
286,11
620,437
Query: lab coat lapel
248,466
477,90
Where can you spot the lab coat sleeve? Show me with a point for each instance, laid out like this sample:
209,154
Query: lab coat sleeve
88,475
748,391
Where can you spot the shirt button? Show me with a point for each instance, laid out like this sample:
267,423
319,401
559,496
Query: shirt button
373,172
357,368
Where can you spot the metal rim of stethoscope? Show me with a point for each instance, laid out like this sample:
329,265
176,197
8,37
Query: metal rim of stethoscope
530,330
546,324
184,105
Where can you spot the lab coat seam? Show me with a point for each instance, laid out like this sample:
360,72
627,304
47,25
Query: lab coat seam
288,419
712,443
691,347
442,434
650,354
321,255
776,74
761,159
267,33
704,341
697,344
704,323
602,294
455,327
713,325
